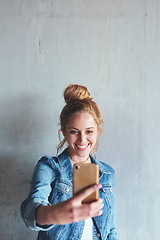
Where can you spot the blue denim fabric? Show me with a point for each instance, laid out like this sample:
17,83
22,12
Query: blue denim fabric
52,183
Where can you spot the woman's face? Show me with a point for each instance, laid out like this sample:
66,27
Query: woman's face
81,133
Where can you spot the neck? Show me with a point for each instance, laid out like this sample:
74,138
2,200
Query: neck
82,161
77,159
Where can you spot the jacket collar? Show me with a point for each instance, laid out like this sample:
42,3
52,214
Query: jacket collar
102,168
66,165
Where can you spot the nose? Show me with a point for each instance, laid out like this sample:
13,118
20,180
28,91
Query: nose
81,137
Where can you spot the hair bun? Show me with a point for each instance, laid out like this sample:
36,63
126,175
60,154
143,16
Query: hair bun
75,91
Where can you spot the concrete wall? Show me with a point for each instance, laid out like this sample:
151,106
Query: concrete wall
112,47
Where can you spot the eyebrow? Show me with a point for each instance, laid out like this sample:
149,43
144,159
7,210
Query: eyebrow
78,129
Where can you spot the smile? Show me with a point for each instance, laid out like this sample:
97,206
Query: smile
82,146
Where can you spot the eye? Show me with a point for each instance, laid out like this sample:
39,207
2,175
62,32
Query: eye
73,132
89,131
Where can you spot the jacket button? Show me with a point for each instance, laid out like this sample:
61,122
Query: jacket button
98,235
67,189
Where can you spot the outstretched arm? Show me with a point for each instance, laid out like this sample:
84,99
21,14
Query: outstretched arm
71,210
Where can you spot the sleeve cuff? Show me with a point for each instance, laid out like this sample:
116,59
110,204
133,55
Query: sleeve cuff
29,218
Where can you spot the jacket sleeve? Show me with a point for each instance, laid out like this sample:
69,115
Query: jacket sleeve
40,188
112,233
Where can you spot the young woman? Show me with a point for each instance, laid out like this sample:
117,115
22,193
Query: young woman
50,207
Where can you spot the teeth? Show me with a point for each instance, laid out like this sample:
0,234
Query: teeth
82,146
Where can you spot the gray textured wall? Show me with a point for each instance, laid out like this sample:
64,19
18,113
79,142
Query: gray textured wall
112,47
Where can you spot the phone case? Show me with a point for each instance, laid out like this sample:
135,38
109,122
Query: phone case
85,175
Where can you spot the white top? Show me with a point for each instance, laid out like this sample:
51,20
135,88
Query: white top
88,230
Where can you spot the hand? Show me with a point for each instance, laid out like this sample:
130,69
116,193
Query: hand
71,210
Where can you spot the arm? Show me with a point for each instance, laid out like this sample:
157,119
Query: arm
39,191
39,214
70,211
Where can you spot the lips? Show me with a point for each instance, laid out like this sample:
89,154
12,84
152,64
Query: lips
82,147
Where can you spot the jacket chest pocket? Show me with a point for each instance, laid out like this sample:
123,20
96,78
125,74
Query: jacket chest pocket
107,188
61,191
107,192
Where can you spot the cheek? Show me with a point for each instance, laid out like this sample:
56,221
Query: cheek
70,139
93,138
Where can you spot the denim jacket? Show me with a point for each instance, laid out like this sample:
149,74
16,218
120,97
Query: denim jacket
52,183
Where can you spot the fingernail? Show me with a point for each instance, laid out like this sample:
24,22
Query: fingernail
100,200
98,186
100,212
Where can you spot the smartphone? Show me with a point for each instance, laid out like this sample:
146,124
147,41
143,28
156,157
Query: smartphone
85,175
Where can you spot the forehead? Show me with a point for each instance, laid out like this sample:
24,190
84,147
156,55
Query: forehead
83,119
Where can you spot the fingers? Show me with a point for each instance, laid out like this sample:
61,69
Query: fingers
96,208
87,210
99,208
86,192
73,210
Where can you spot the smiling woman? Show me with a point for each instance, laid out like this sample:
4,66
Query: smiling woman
81,134
78,100
50,207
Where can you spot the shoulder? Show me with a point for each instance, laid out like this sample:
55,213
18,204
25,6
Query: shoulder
107,173
107,167
47,163
104,167
46,169
46,159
